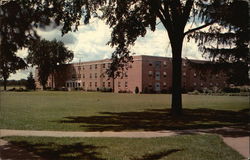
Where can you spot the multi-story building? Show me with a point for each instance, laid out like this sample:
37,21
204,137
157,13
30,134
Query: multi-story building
148,73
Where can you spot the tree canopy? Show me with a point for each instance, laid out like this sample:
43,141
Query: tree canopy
9,63
48,56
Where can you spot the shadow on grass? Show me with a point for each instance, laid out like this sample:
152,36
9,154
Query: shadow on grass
156,156
53,151
160,119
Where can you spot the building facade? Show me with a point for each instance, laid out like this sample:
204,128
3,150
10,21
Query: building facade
147,73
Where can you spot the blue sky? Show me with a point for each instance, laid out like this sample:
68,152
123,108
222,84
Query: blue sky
89,43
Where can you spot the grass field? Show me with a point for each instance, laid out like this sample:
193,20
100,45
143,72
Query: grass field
92,111
188,147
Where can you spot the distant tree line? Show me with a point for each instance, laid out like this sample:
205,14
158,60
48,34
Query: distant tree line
20,82
28,83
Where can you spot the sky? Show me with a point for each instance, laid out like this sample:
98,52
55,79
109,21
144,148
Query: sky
89,43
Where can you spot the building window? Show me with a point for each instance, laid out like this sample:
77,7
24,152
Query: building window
164,74
95,66
109,84
184,74
157,64
90,66
157,76
73,76
79,75
103,65
95,75
165,63
109,64
150,64
164,84
95,84
126,84
216,75
79,68
90,75
83,84
83,76
119,84
195,75
103,84
83,67
150,85
79,84
90,84
195,84
202,84
150,73
211,84
184,64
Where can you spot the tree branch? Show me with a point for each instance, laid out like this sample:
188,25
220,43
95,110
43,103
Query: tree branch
198,28
187,10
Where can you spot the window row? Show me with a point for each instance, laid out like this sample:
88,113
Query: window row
157,74
125,84
93,66
210,84
94,75
157,85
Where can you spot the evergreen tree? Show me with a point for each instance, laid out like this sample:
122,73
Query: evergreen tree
228,50
30,83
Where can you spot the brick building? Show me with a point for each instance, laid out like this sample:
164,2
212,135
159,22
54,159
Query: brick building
148,73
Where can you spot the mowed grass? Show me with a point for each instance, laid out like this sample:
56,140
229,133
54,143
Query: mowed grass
92,111
185,147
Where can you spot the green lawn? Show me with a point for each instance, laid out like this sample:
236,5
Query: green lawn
92,111
188,147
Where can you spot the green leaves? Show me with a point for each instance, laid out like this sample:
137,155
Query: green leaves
48,56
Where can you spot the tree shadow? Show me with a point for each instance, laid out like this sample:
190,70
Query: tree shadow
161,119
156,156
60,152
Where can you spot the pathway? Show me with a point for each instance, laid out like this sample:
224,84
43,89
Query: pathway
240,143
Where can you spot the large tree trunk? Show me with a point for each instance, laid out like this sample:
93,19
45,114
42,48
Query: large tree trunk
5,83
176,44
113,79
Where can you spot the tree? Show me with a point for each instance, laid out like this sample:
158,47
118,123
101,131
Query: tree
30,83
9,63
48,56
18,21
130,19
228,50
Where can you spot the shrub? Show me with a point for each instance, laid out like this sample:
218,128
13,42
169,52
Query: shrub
136,90
231,90
104,89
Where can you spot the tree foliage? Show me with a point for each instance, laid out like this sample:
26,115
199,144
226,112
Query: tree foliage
227,47
9,64
48,56
30,83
